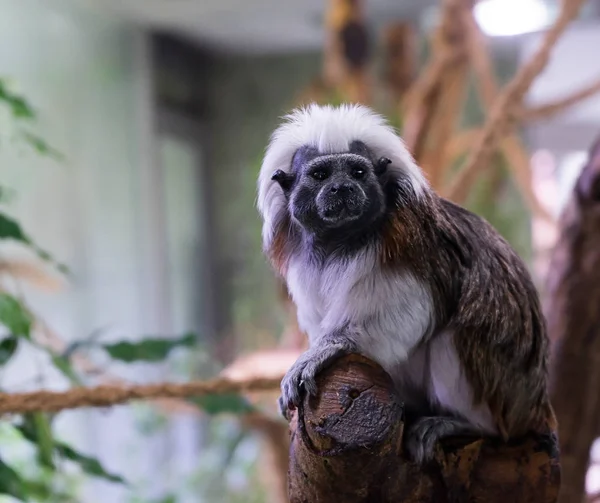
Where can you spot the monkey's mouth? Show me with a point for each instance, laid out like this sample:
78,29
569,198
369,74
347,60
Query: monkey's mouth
340,210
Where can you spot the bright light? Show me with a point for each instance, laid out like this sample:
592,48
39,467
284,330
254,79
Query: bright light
501,18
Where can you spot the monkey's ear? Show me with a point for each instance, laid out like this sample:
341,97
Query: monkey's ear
285,180
381,166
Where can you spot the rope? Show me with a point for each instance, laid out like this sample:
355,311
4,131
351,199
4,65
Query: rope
106,396
505,112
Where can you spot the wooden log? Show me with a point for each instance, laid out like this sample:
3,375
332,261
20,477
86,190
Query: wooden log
572,306
346,447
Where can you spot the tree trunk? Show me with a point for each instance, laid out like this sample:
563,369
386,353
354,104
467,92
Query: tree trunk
346,447
573,314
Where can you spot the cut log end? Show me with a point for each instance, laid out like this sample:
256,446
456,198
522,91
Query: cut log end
346,446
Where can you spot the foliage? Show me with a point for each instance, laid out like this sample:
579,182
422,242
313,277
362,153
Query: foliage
11,483
11,230
14,316
24,114
18,322
226,470
220,404
149,350
36,428
8,347
233,457
44,479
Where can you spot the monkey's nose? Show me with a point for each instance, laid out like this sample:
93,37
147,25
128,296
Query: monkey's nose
341,189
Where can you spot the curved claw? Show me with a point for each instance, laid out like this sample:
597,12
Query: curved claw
302,375
428,431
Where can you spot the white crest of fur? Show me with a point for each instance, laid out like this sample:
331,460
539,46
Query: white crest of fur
330,130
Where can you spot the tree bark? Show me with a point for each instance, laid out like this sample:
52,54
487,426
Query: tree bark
573,314
346,447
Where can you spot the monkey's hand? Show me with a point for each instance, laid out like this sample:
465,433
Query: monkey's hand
425,433
304,371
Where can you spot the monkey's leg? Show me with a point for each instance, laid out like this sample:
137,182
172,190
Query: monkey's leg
304,371
427,431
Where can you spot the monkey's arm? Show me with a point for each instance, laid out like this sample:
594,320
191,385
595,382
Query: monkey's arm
303,372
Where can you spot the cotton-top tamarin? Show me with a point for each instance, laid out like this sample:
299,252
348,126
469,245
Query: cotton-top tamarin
377,263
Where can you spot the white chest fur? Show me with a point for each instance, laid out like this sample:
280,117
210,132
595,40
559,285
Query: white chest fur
388,313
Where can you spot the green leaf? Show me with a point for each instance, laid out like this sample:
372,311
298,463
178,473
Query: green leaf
8,347
41,146
45,441
14,316
167,499
11,229
40,491
22,111
18,105
89,465
220,404
11,483
37,429
148,350
29,429
65,367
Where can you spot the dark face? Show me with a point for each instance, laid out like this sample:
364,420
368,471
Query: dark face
335,193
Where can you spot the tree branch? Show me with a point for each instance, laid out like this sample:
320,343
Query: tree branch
504,115
347,447
573,297
488,89
561,105
421,103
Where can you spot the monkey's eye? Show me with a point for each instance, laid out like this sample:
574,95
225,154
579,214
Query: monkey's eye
358,173
319,174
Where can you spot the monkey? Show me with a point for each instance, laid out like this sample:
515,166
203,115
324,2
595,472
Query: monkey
377,263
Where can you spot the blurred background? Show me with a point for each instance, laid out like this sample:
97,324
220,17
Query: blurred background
131,135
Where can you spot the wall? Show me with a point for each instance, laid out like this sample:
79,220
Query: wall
248,97
79,71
